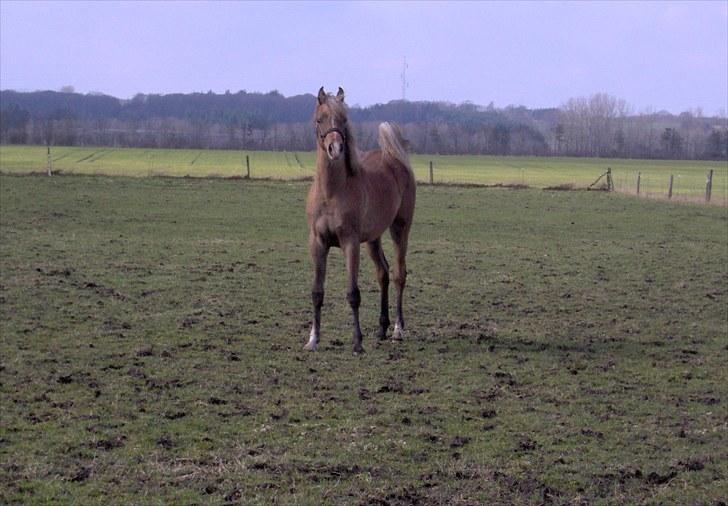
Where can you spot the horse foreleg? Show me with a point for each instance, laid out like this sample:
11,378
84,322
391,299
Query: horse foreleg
319,252
351,252
380,262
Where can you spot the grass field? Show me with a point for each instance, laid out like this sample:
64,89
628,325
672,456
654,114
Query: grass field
562,348
538,172
149,162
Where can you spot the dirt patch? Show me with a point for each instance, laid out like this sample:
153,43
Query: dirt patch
110,444
392,386
563,188
145,351
507,186
175,415
65,380
314,471
527,444
165,442
81,475
459,441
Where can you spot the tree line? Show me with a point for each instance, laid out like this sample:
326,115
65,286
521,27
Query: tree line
595,126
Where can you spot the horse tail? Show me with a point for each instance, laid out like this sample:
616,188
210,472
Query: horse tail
393,144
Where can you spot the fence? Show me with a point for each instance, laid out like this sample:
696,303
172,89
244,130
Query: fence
646,178
667,180
674,186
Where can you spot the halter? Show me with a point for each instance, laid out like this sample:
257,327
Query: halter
330,130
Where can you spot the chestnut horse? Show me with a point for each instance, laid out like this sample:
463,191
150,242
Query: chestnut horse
354,198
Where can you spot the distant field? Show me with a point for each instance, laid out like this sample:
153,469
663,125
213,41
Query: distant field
151,162
539,172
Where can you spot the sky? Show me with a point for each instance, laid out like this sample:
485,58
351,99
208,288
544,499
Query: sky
655,55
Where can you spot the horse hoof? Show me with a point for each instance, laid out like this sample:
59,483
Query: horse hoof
358,350
310,346
397,334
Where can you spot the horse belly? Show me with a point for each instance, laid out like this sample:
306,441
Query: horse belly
377,221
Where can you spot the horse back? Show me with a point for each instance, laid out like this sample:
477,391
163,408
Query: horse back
385,170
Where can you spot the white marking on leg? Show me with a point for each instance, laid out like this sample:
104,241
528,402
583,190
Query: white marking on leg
312,340
398,332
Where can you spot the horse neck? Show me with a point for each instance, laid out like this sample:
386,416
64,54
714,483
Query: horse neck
330,175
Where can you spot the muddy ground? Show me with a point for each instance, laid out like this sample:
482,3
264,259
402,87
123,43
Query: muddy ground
561,348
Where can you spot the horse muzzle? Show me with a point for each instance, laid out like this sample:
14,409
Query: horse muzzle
334,150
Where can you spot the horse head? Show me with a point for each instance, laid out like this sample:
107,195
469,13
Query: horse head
332,131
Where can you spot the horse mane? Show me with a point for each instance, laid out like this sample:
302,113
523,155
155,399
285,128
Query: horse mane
351,152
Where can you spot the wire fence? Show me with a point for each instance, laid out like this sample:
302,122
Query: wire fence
667,179
712,188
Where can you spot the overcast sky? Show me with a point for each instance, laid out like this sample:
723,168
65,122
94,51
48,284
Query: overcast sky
658,55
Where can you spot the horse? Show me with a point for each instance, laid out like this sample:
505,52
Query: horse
353,199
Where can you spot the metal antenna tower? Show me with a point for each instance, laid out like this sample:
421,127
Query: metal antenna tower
404,78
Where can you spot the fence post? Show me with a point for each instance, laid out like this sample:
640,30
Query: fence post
247,164
639,176
50,162
431,177
709,185
610,183
669,190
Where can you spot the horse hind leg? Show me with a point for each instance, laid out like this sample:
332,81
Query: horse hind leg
400,234
380,262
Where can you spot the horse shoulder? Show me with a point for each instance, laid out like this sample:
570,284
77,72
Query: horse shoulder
313,203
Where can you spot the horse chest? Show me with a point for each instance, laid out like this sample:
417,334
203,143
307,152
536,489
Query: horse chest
334,225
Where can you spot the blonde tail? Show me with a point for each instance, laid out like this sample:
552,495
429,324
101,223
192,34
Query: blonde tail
393,144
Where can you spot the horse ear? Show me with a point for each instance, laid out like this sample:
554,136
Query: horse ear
321,95
340,94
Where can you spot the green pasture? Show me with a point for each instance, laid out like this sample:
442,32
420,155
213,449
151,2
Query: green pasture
539,172
560,348
138,162
542,172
